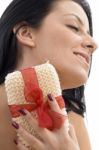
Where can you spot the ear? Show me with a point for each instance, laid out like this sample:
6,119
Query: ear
25,35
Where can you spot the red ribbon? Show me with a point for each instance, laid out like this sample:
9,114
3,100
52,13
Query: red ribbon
34,96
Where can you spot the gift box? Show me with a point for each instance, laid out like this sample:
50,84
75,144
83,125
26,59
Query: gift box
28,89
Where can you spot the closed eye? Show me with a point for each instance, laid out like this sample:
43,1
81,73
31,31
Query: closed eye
73,28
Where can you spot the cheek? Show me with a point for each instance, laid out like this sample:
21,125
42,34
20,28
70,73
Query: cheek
56,45
53,38
62,40
56,48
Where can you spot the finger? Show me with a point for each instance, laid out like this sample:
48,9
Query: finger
34,123
43,133
55,107
72,133
53,104
30,139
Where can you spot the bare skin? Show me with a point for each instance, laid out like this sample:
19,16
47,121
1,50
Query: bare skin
81,130
68,35
7,134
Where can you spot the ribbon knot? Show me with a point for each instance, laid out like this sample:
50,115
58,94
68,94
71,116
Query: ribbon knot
34,94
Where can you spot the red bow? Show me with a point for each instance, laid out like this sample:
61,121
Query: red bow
46,117
34,95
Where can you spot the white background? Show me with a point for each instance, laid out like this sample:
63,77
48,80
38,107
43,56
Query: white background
92,87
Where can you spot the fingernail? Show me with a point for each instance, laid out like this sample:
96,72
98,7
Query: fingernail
15,125
50,97
22,111
15,141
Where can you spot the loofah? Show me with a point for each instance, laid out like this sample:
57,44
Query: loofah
28,88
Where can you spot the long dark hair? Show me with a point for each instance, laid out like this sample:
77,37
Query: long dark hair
33,12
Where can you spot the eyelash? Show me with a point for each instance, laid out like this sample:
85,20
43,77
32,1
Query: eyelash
74,28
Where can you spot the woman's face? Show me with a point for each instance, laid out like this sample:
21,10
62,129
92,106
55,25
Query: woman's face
64,40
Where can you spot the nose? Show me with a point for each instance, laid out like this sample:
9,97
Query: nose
89,44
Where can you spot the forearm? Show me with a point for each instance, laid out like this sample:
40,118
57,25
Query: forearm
81,131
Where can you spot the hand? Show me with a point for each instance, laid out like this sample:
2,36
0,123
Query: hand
58,139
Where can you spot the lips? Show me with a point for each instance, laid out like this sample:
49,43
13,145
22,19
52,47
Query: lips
83,56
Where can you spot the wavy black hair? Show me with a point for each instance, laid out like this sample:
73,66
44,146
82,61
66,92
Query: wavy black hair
33,12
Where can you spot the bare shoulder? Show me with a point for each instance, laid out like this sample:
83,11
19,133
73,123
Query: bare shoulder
81,131
6,131
3,101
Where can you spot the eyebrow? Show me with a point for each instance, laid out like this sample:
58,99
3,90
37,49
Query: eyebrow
80,21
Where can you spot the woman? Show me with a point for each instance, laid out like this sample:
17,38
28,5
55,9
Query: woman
32,32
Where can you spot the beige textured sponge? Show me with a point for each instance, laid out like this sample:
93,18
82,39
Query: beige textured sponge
48,82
